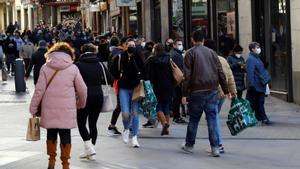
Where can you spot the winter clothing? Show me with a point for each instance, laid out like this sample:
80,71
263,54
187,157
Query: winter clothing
59,102
65,150
27,50
37,61
202,71
229,78
236,65
51,151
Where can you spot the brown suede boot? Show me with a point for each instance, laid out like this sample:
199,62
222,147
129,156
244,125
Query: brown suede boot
165,125
51,151
65,155
168,122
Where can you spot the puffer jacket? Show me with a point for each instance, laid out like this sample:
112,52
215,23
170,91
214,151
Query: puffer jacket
238,71
229,78
27,50
58,102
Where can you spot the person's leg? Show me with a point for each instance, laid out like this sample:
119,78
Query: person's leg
219,126
261,109
65,147
195,111
176,104
51,147
116,113
135,123
125,100
93,118
82,116
252,98
240,94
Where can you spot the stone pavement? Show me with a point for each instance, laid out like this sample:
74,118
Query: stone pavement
260,147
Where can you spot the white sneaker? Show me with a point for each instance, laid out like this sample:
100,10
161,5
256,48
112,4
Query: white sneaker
89,150
135,142
126,136
92,158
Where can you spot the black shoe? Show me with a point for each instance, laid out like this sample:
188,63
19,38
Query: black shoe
113,131
179,120
165,130
267,122
148,125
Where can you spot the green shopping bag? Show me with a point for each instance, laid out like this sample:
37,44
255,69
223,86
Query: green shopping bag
149,102
240,116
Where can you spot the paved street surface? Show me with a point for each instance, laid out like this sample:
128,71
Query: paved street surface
260,147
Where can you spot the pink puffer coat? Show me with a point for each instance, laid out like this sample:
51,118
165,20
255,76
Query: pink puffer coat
59,104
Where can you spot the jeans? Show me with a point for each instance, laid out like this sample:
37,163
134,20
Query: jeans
221,101
257,102
129,110
64,134
206,101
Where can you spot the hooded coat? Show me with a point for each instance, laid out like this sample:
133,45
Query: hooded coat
64,95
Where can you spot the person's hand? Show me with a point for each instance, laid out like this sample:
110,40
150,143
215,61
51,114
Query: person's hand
184,101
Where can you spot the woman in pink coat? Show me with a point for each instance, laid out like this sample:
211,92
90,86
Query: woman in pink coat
61,91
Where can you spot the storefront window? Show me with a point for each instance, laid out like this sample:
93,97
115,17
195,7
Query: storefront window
200,16
133,21
279,56
177,20
226,23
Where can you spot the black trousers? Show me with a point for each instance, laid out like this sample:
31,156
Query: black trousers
177,102
240,94
91,113
116,112
26,63
64,134
257,101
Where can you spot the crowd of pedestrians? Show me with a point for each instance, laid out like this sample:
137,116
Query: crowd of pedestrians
70,65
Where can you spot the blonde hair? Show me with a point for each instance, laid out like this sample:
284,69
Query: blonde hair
62,47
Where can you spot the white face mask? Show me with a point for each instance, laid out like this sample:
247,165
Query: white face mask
180,47
258,51
238,55
143,44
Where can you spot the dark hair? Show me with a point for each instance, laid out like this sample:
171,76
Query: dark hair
114,41
62,47
198,36
148,44
237,48
253,45
211,44
89,47
123,40
159,49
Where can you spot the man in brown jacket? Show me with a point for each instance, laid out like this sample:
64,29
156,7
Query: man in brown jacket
203,73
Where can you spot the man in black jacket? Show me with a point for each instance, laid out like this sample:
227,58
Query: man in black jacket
203,73
37,61
10,50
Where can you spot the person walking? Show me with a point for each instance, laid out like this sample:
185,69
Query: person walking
60,91
130,75
26,51
238,67
93,76
203,73
256,89
231,86
10,49
37,61
160,75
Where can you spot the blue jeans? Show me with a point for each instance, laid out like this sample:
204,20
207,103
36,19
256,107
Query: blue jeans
206,101
129,110
220,103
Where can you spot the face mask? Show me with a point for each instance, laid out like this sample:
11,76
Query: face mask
153,50
25,40
258,51
238,55
143,44
11,38
131,50
180,47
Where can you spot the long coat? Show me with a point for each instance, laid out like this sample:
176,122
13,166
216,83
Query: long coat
64,95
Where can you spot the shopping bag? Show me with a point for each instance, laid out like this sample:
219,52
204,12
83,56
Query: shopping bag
267,90
177,73
107,105
4,73
149,102
138,92
240,116
33,129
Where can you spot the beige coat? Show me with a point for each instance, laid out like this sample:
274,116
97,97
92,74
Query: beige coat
229,78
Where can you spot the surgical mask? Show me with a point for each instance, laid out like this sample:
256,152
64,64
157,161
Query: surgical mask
180,47
131,50
258,51
238,55
143,44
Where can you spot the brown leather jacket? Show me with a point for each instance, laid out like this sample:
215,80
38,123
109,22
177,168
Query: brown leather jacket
202,71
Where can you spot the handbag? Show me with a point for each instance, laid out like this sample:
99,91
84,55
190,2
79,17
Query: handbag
4,73
33,129
38,113
107,105
177,73
150,101
138,92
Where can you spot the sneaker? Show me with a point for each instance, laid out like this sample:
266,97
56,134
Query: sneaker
126,136
215,152
187,149
148,125
135,143
221,149
267,122
92,158
113,131
179,120
165,130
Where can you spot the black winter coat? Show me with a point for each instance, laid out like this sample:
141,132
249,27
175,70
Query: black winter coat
160,75
238,73
37,61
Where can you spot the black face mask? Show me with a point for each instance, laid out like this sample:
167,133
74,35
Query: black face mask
168,47
131,50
